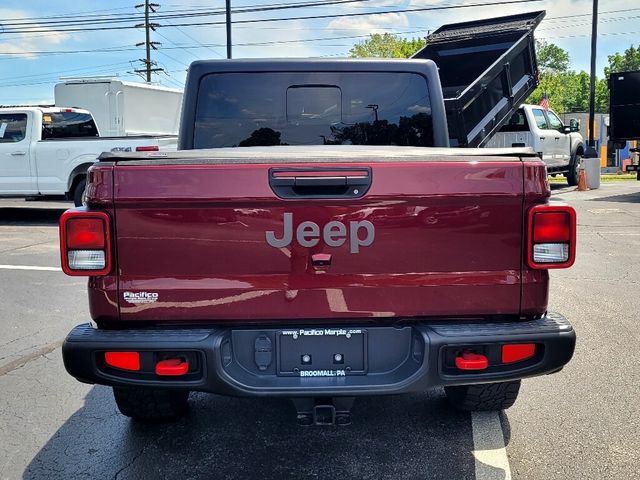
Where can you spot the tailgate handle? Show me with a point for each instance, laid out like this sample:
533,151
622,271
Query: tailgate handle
323,182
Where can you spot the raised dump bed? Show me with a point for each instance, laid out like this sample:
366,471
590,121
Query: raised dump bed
487,69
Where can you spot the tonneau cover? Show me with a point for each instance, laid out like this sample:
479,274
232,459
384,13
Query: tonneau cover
317,153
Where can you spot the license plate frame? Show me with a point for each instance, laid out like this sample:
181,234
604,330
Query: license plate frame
321,344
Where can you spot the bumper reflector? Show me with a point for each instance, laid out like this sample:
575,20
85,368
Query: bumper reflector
86,259
172,367
123,360
471,361
516,352
550,252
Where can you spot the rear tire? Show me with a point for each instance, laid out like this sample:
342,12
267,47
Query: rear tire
78,192
574,170
151,404
483,397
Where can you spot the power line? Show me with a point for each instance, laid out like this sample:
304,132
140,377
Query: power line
109,19
546,20
125,48
117,73
308,17
607,34
195,40
66,71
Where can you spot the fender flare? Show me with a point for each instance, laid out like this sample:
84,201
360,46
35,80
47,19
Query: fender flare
578,149
76,174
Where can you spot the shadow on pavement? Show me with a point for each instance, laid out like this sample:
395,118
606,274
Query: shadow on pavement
30,216
408,436
506,427
624,198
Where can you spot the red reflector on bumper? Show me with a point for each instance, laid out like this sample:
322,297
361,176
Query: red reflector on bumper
172,367
471,361
123,360
516,352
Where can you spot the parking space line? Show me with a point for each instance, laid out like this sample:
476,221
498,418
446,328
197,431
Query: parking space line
30,267
489,451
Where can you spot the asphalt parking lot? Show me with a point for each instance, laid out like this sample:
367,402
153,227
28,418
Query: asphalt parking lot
580,423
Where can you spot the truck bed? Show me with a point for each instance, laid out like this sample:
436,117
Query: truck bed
434,233
487,69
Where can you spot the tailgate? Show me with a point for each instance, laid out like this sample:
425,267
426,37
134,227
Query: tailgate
213,242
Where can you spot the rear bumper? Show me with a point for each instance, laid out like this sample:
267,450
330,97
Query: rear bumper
396,359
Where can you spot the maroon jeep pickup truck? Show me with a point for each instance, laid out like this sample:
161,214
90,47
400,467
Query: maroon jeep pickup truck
378,261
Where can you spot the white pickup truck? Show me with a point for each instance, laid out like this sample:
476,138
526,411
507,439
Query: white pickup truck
560,147
47,150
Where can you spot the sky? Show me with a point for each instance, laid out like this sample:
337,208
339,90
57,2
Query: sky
32,63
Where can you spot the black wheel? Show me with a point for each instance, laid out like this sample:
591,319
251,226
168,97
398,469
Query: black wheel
151,404
78,191
487,396
574,170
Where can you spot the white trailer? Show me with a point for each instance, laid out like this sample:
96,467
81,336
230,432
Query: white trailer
123,108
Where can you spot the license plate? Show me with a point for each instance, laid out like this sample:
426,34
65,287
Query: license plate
322,352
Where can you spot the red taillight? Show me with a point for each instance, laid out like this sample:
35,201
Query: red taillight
85,233
551,227
516,352
148,148
123,360
551,236
85,243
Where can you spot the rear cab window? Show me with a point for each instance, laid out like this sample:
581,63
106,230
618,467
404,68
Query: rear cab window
13,127
313,108
517,123
58,125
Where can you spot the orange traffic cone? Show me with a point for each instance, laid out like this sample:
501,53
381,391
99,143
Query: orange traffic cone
582,181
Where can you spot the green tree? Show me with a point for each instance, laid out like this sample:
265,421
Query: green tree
386,45
551,58
556,80
567,90
622,62
602,95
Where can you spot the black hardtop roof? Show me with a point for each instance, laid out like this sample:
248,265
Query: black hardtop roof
204,67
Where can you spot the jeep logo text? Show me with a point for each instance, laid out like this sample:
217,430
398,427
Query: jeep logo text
334,234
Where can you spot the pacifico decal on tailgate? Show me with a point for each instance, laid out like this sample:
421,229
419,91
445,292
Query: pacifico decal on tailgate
138,298
334,234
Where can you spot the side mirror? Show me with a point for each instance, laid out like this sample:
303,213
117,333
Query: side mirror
574,125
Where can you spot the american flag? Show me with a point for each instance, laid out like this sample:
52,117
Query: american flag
544,103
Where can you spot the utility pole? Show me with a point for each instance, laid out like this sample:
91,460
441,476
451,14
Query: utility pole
228,28
149,65
591,144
